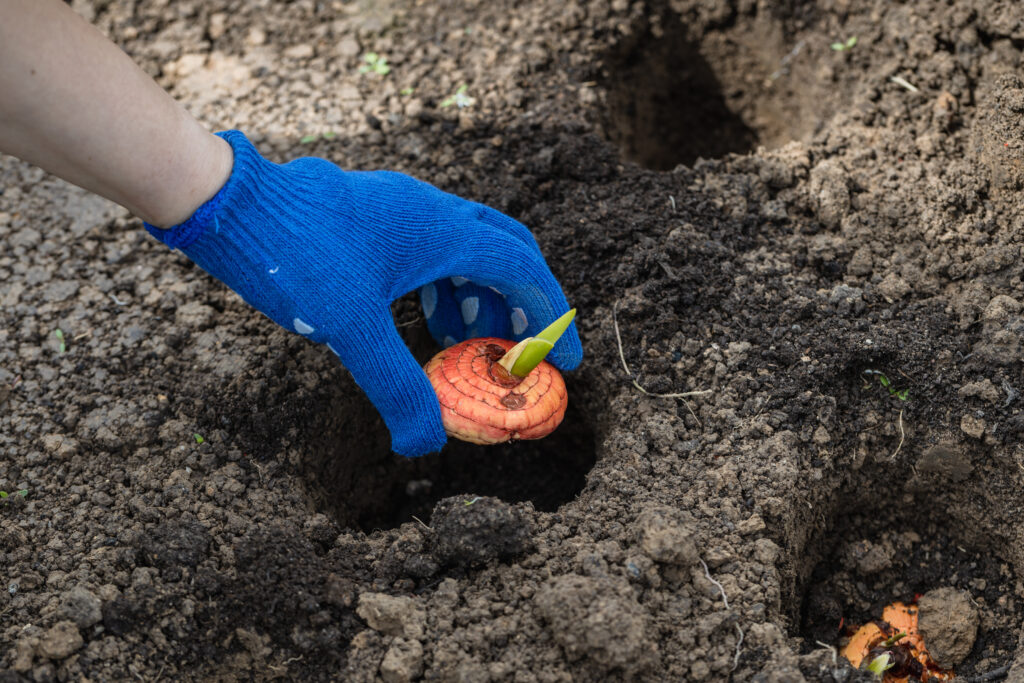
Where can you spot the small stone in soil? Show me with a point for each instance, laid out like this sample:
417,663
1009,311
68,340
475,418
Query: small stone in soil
81,606
946,459
60,641
599,621
665,537
392,615
949,623
403,661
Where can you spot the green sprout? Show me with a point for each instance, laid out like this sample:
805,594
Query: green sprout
460,99
889,642
901,394
376,63
199,439
847,45
407,91
23,493
880,664
522,358
467,503
59,334
313,137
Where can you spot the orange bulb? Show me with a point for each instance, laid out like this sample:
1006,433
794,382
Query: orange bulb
482,403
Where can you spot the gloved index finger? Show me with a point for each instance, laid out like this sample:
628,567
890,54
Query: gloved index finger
532,309
371,348
534,297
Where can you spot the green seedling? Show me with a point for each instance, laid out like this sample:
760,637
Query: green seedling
407,91
846,45
522,358
199,439
467,503
313,137
59,334
901,394
4,495
376,63
460,99
880,664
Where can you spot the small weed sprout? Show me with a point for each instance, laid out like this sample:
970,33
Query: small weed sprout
199,438
313,137
901,394
845,45
4,495
407,91
59,334
376,63
460,99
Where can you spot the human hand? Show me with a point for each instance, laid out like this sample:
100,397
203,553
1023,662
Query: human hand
324,252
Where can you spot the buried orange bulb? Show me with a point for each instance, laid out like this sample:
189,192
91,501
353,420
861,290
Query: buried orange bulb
895,634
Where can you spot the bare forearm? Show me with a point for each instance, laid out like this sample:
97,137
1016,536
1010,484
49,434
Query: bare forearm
75,105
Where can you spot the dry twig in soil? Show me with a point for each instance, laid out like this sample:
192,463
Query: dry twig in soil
902,435
721,588
739,648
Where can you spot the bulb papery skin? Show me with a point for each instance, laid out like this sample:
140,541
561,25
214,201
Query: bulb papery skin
483,404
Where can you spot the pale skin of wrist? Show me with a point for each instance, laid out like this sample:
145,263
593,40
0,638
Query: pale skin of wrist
74,104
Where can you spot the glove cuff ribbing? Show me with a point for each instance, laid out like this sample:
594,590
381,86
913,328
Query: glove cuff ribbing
246,159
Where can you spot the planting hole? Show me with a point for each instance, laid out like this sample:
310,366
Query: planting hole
891,547
354,476
672,97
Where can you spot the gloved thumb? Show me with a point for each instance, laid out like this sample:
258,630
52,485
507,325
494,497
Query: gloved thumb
383,367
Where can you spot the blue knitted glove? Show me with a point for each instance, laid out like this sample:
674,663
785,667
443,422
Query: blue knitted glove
324,252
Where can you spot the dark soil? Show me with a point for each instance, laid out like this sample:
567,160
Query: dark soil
779,225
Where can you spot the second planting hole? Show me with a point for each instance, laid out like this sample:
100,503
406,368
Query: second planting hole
672,97
877,553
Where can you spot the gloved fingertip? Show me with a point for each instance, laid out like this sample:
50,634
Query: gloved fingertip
393,380
418,441
412,415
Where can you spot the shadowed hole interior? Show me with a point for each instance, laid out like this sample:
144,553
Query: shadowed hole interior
672,97
883,546
354,476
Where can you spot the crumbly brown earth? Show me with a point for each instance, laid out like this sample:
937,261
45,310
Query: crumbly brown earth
826,243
